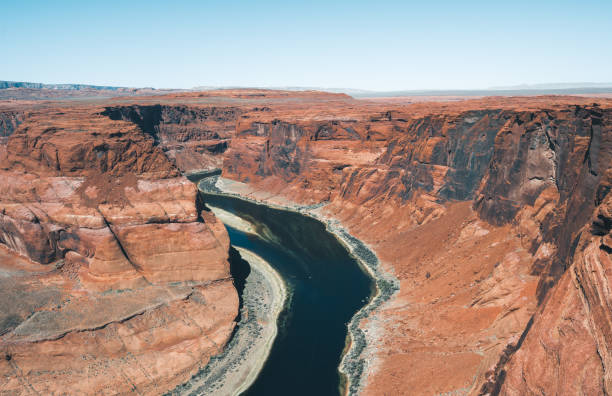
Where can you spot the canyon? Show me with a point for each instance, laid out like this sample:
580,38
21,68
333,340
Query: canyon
493,215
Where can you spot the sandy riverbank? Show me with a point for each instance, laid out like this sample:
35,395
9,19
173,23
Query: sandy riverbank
230,219
269,311
237,367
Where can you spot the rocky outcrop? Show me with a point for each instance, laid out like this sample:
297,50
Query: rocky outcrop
9,121
78,143
552,172
112,280
568,348
191,137
560,158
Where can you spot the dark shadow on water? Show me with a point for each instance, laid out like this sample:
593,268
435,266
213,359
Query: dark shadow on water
240,270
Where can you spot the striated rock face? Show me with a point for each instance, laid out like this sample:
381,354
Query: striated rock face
111,280
191,137
390,179
550,159
557,176
568,348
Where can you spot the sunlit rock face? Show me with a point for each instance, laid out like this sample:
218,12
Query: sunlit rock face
111,280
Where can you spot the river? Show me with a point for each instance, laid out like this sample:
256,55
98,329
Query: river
326,288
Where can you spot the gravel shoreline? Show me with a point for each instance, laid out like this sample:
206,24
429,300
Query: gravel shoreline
354,362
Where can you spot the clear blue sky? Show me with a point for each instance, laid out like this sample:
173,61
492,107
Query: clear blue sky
380,45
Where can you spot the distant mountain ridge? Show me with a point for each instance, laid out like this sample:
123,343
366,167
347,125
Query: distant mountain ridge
490,92
577,85
516,90
76,87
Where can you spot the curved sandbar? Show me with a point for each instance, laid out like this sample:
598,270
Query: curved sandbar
268,319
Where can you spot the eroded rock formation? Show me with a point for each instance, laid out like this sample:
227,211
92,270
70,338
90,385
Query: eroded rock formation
189,136
112,282
9,121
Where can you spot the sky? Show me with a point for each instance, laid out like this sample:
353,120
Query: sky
374,45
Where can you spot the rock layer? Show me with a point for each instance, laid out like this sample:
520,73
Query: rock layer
189,136
114,282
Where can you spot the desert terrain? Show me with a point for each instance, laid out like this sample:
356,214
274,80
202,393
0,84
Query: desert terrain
494,215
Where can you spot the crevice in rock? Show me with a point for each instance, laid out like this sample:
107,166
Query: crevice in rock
240,270
121,247
495,379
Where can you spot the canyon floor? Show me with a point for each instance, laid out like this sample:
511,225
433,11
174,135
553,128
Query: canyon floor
494,215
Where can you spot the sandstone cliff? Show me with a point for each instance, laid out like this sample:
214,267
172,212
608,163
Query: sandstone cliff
567,349
111,279
191,137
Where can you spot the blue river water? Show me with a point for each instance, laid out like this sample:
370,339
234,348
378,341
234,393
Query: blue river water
326,288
